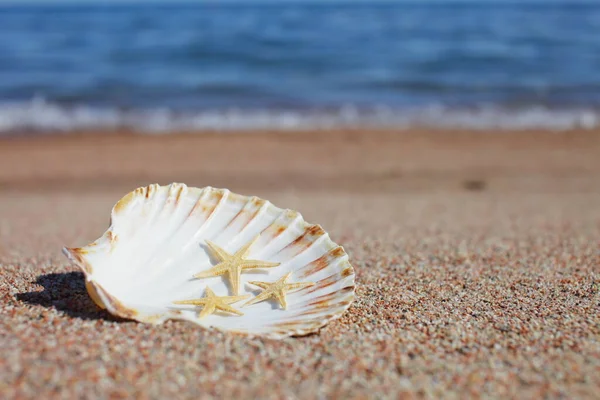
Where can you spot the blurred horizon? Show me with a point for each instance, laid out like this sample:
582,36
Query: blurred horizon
298,63
298,2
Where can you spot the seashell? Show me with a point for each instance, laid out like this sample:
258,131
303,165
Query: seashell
170,253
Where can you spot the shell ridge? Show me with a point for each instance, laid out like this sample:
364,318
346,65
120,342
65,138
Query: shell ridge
186,219
343,267
330,296
214,212
170,236
249,200
296,221
149,256
216,209
277,219
318,320
288,264
322,262
205,223
321,310
259,213
236,237
146,194
202,197
310,230
326,282
232,239
337,294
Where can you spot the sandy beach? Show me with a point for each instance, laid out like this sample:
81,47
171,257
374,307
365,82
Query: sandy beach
477,258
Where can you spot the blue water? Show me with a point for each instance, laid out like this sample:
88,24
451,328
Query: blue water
299,64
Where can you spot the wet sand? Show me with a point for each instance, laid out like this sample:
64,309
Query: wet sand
477,257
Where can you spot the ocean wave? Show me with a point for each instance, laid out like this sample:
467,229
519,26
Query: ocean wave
41,116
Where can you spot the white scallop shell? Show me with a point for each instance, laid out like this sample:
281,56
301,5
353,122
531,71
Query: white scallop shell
146,260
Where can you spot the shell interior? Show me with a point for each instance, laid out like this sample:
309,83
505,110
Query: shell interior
147,259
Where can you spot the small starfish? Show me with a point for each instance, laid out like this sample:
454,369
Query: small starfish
233,265
276,290
212,303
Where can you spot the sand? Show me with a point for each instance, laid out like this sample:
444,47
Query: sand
477,257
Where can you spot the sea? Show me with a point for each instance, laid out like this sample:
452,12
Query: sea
160,67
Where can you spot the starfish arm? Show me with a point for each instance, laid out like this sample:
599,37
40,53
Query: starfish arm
218,251
254,264
299,285
195,302
233,299
263,285
224,307
234,280
217,270
245,249
263,296
208,309
280,296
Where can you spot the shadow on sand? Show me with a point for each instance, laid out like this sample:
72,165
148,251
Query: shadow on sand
66,292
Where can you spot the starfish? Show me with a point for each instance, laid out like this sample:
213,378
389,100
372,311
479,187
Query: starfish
233,265
212,303
276,290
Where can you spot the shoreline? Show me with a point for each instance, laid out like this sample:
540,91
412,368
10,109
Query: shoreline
338,160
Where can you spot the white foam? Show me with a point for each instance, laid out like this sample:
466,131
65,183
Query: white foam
42,116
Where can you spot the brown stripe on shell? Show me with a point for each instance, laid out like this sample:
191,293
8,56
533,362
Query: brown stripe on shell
305,240
276,228
243,210
252,204
150,190
258,204
179,193
323,283
330,280
175,191
317,308
330,296
321,262
199,202
214,198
